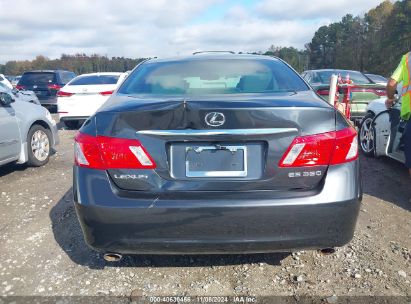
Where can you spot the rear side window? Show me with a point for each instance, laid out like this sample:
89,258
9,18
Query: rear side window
67,76
215,76
376,78
356,77
37,78
95,80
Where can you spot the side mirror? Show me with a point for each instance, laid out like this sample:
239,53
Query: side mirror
6,99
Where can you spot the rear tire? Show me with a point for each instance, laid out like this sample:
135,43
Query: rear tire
367,135
72,124
38,146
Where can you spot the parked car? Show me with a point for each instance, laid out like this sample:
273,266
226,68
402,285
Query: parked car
28,133
83,95
46,84
24,95
5,81
27,95
216,154
378,79
13,79
363,92
381,130
10,79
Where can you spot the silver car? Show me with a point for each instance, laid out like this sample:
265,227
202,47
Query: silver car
28,133
29,96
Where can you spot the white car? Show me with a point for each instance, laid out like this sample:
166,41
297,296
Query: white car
4,81
381,130
84,95
378,79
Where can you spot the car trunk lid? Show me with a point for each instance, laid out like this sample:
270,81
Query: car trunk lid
102,89
241,154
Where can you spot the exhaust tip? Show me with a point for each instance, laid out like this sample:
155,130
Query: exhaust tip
327,251
112,257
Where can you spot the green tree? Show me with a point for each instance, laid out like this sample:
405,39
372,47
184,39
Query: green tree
78,63
373,42
298,59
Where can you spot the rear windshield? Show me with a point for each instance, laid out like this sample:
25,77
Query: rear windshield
325,77
37,78
377,78
95,80
217,76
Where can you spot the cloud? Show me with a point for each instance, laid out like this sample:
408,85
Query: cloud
160,27
318,9
248,35
107,26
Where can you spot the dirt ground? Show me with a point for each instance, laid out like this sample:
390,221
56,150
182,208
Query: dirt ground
43,251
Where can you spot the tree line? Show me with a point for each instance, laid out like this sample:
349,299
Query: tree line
78,63
373,42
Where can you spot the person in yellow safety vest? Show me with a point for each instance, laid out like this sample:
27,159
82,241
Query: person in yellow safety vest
403,74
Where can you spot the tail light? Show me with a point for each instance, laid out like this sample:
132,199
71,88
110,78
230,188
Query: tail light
20,87
106,93
102,152
64,94
323,92
54,87
381,92
324,149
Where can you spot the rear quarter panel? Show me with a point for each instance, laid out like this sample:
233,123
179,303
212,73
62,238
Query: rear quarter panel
377,105
27,114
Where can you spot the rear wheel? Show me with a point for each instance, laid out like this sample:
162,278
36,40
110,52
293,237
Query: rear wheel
367,135
72,124
38,146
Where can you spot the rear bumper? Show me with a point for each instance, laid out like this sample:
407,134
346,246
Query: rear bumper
213,222
51,101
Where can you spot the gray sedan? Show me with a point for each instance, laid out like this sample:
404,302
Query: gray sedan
28,133
216,154
29,96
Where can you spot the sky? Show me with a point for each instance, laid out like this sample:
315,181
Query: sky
162,28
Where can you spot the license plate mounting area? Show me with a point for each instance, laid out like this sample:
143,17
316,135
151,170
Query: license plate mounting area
216,161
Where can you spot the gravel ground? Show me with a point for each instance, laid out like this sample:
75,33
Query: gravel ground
43,251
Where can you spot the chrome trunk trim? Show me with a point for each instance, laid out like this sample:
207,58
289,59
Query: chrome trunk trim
192,132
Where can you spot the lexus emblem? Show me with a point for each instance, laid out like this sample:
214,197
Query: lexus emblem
215,119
